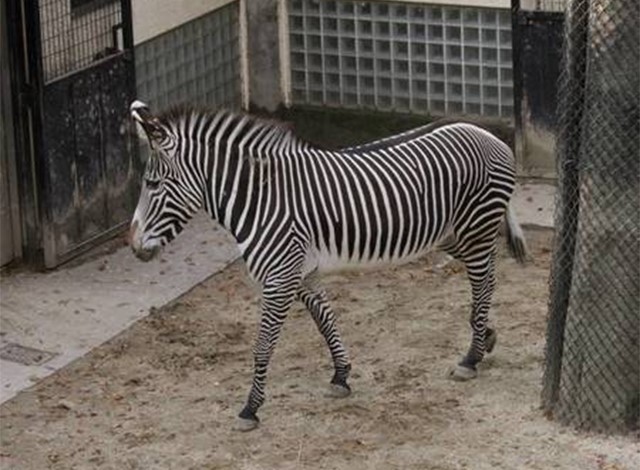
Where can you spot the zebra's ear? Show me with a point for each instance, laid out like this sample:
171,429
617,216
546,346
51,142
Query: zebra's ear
149,127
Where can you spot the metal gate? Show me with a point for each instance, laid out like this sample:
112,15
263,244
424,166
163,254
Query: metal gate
76,87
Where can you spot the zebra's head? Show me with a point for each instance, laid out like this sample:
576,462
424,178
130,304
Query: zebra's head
169,197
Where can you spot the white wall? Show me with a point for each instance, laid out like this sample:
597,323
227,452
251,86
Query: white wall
154,17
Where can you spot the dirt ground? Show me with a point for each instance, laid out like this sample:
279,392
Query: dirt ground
165,393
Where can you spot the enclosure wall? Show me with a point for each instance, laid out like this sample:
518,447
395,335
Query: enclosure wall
197,62
152,18
424,58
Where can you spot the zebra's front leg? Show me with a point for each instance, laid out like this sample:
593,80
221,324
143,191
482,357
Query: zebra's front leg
482,277
316,301
275,305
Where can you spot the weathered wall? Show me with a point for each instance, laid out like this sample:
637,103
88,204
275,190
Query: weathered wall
263,44
540,56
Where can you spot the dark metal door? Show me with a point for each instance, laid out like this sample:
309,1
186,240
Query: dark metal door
538,37
86,152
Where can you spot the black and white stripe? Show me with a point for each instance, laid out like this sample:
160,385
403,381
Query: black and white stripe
297,210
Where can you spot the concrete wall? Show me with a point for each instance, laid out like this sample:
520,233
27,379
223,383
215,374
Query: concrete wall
197,62
266,61
263,54
259,40
154,17
191,51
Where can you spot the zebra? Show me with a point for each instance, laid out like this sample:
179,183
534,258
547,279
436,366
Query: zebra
297,210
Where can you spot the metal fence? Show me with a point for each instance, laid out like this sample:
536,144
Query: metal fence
76,34
592,373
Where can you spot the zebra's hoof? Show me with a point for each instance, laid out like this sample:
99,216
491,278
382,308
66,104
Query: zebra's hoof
490,340
338,391
462,373
246,425
247,420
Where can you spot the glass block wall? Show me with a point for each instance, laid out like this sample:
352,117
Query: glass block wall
419,58
197,62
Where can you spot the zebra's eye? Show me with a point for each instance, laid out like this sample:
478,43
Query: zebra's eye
152,184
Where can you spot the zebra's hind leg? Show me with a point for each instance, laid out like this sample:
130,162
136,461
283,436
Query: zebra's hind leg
276,301
315,299
481,273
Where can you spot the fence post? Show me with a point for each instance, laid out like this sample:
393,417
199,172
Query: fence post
570,111
592,373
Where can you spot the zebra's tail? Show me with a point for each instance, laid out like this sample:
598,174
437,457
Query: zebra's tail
515,237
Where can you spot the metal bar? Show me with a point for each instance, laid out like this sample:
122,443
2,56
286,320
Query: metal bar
127,21
27,81
8,112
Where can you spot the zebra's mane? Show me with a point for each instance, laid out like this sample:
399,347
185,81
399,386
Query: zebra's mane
285,130
411,134
177,114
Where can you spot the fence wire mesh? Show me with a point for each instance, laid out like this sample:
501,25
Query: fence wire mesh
592,370
75,34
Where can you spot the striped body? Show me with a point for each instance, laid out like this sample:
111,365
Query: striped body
296,209
362,206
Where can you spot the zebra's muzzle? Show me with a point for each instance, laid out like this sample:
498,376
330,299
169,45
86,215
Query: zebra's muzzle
135,241
146,254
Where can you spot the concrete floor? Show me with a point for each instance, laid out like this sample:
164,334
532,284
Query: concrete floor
69,311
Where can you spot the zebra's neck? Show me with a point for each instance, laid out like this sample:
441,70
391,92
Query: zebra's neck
244,162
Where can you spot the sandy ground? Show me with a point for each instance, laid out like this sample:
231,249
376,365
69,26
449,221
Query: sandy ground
165,393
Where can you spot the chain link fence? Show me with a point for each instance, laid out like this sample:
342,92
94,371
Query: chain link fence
592,369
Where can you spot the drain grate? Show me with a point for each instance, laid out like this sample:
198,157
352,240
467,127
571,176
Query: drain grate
24,355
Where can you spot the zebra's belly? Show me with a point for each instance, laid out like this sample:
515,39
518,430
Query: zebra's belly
329,259
325,262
